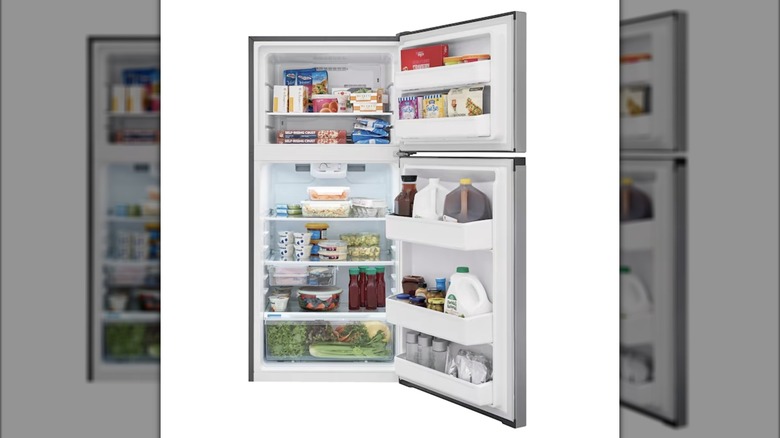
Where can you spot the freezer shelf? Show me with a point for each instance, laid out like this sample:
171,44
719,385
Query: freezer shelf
302,341
443,128
466,331
465,237
478,395
448,76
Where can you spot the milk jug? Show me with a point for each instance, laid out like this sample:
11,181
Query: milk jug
429,201
634,298
466,295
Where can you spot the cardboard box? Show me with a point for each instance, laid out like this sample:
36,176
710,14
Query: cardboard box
367,107
281,99
424,57
298,99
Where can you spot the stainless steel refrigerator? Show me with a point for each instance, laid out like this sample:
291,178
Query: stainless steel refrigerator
654,163
447,148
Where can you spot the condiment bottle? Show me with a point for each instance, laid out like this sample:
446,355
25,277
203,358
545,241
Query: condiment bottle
370,288
433,293
404,202
412,352
441,284
362,284
422,289
439,354
424,343
417,301
381,288
436,304
410,283
354,289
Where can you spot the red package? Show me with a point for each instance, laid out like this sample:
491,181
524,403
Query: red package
424,57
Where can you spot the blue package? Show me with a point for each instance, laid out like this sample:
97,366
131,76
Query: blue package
374,141
359,136
373,130
290,77
373,123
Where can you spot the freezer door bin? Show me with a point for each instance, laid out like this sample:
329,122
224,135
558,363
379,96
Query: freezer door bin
497,260
499,124
653,277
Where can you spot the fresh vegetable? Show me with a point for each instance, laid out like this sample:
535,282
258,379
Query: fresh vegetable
336,350
367,339
376,326
125,340
286,339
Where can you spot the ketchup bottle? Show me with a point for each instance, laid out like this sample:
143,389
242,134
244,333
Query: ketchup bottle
370,288
381,289
354,289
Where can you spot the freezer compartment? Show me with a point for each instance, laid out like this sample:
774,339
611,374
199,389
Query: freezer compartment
473,330
478,395
131,341
332,340
465,237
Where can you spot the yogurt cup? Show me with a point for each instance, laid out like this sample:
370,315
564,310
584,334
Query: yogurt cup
279,303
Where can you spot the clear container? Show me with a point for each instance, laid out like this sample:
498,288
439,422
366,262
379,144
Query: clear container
361,239
325,208
412,354
369,207
364,252
439,348
424,345
318,298
335,246
467,204
312,341
328,193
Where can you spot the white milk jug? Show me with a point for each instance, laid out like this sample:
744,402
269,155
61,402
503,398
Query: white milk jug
466,296
634,298
429,201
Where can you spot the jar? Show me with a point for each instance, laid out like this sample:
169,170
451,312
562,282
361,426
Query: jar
317,231
403,298
433,293
410,283
436,304
417,301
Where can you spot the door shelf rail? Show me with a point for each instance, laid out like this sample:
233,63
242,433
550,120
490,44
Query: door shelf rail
473,330
465,237
448,76
478,395
443,128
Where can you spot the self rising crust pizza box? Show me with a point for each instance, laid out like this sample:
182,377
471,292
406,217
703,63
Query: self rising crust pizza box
424,57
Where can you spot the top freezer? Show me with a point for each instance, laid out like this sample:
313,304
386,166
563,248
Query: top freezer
476,102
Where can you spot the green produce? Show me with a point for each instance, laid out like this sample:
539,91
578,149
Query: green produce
286,339
369,339
337,350
125,340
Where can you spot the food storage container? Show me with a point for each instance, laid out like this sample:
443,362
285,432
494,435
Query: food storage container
332,256
322,275
336,246
364,252
361,239
318,298
325,103
369,207
321,341
328,193
325,208
288,275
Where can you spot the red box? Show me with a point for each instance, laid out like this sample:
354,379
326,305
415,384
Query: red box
424,57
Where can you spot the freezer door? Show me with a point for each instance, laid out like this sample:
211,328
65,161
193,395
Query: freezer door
652,82
653,278
498,123
494,252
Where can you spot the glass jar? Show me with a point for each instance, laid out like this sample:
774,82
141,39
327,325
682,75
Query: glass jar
436,304
417,301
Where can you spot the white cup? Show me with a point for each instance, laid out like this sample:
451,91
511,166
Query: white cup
302,239
278,303
285,237
286,250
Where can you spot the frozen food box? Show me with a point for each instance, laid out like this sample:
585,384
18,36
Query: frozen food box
407,108
281,99
367,107
319,82
298,98
466,101
434,106
424,57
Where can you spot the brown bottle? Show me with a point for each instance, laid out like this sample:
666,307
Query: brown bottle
467,204
404,202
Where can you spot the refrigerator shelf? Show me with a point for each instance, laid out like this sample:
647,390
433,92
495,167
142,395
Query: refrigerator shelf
317,115
637,329
448,76
137,316
465,237
330,219
466,331
133,219
638,235
445,128
385,260
479,395
294,313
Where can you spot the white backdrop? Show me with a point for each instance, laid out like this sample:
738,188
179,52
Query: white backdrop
572,282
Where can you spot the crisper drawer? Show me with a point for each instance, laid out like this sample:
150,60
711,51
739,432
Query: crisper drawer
332,340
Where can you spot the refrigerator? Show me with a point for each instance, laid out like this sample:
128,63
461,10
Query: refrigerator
123,161
488,148
653,234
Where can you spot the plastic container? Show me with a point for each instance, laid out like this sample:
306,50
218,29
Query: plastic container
439,348
322,275
424,345
466,295
288,275
361,239
318,298
364,252
354,289
328,193
403,298
325,208
318,231
467,204
634,297
381,287
333,246
429,201
411,347
371,289
369,207
331,256
325,103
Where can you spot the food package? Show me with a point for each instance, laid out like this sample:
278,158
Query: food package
365,97
290,77
298,99
342,97
466,101
328,193
634,100
434,106
325,209
325,103
407,108
361,239
472,367
322,136
281,99
424,57
367,107
372,123
319,82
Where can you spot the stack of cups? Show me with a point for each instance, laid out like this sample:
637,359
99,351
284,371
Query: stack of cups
302,246
286,246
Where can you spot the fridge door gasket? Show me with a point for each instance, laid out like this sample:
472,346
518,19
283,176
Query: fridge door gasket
514,320
505,125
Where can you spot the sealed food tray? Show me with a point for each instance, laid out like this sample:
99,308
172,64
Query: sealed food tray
326,208
361,239
328,193
302,275
328,341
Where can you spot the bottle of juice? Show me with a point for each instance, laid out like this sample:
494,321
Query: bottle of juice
404,202
467,204
381,289
370,288
354,289
362,284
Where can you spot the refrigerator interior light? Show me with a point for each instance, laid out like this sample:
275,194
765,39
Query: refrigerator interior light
328,170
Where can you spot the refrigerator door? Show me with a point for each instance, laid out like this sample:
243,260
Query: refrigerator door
652,82
652,253
494,252
499,125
